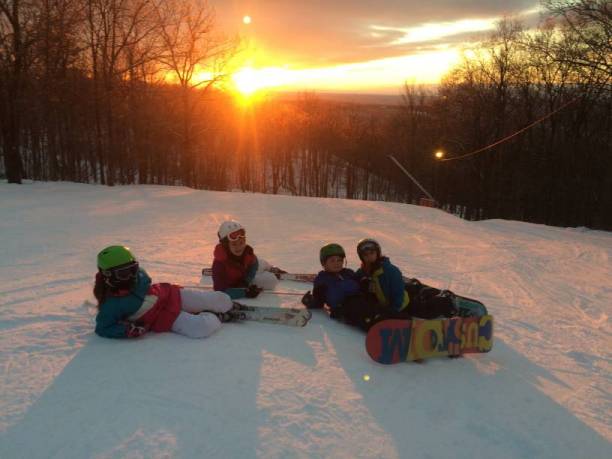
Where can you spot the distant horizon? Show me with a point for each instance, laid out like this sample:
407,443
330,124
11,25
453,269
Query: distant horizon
383,98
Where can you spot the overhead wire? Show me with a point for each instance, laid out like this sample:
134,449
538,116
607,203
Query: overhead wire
514,134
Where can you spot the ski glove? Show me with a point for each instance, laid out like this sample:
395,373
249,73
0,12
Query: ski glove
252,291
134,331
364,284
277,271
308,300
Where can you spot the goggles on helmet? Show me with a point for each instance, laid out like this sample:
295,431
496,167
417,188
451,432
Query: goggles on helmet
235,235
122,273
368,247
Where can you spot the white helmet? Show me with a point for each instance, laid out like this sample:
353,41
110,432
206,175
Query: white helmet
228,227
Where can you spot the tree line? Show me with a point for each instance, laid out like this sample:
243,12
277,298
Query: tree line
127,91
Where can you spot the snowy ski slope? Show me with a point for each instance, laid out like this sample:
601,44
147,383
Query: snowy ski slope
259,390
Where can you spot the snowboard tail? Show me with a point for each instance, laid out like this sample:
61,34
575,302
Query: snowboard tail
466,307
469,307
398,340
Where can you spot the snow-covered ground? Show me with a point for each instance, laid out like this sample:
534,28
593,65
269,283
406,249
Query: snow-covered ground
259,390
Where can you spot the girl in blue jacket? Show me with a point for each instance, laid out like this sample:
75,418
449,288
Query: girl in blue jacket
130,304
384,284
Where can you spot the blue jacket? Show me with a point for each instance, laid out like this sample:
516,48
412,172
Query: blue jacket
387,283
111,319
152,306
333,288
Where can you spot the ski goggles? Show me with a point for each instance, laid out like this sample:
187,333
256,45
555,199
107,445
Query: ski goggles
368,247
123,273
235,235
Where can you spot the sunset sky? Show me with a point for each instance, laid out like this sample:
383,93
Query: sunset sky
357,45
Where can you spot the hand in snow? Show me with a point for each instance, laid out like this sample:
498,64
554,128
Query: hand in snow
134,331
252,291
277,271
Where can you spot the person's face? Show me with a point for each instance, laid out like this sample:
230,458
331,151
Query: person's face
369,256
334,264
237,242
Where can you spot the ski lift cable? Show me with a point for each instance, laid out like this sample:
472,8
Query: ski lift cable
505,139
411,177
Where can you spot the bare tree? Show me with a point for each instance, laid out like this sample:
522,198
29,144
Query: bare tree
120,36
17,35
589,25
194,56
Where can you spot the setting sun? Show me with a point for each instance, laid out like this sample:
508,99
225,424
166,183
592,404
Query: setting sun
246,81
381,74
249,80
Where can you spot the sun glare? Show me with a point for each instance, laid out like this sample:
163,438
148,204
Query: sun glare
386,75
418,68
246,81
249,80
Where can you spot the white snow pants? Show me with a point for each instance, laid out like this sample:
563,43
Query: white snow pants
195,301
264,278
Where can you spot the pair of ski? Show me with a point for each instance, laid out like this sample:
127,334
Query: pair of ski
297,317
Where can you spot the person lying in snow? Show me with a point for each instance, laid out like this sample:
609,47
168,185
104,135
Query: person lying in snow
385,286
129,304
236,269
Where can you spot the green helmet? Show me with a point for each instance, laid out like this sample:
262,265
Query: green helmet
329,250
113,256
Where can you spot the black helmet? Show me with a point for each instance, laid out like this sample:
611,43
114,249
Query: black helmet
368,244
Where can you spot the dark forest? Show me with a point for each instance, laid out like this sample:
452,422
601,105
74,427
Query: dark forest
84,98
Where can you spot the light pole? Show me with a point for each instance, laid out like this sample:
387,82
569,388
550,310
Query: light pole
438,154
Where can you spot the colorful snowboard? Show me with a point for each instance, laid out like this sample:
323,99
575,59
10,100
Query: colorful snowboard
396,340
